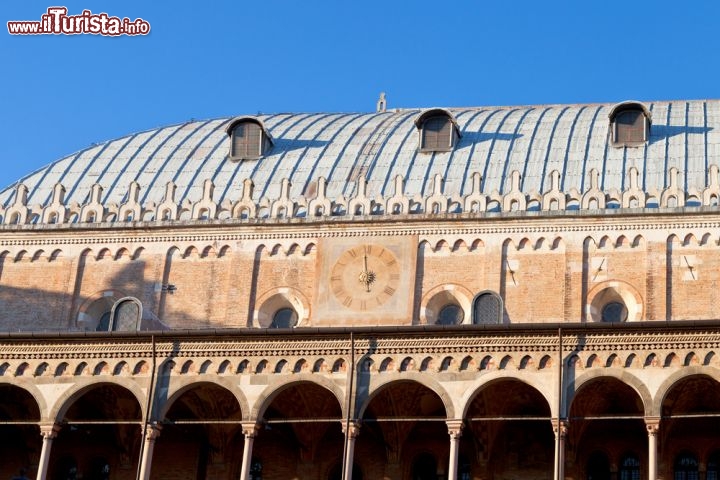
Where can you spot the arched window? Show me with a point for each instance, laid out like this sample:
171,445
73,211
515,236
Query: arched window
487,308
616,303
630,127
629,124
629,468
686,467
284,318
438,130
126,315
248,139
436,134
614,312
450,314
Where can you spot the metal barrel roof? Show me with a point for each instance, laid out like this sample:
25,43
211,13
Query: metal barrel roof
342,147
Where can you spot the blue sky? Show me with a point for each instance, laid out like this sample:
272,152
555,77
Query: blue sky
59,93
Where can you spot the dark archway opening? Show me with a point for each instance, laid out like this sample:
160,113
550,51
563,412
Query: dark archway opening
690,412
598,467
201,435
403,421
509,429
100,434
302,435
19,444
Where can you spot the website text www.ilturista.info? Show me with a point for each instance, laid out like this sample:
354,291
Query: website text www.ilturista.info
57,22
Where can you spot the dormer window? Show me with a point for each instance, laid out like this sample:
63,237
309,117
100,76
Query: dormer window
249,140
438,131
629,124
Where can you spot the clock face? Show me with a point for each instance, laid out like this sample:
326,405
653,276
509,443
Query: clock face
365,277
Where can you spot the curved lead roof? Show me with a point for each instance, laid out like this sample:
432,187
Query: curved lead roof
534,140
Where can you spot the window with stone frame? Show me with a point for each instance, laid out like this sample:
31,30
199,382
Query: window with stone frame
126,315
487,309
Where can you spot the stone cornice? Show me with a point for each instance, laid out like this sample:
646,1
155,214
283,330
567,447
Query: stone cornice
328,345
422,225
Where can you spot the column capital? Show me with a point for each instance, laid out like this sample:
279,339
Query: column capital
455,428
49,430
352,428
652,424
250,429
152,432
560,427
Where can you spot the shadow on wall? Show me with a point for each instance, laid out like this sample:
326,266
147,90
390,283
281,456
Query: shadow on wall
70,307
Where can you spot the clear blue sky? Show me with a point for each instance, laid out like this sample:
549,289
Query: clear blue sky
59,94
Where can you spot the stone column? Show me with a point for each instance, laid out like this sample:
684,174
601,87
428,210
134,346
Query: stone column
653,426
560,430
250,430
48,432
353,430
151,434
455,431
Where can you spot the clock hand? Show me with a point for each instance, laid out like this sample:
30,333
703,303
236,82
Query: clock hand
367,283
366,277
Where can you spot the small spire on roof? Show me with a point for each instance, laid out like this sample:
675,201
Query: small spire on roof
382,103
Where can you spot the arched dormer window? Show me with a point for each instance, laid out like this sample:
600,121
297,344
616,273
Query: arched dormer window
629,124
438,130
249,139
